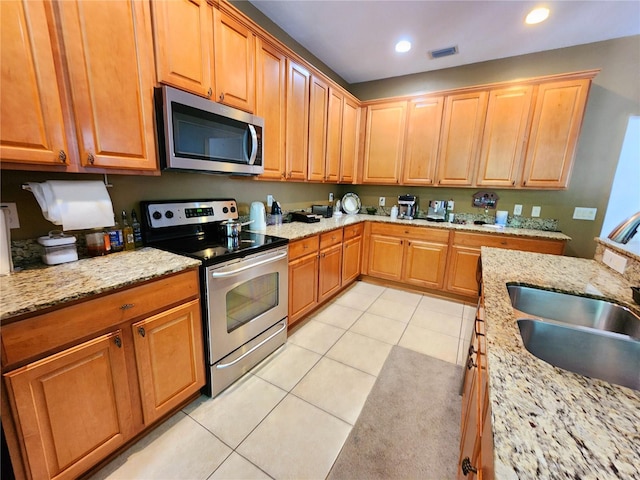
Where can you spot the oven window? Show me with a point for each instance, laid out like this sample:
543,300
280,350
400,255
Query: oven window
251,299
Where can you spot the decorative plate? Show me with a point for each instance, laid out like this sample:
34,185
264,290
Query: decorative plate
351,203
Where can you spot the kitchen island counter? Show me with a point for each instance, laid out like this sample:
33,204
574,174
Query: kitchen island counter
548,422
30,291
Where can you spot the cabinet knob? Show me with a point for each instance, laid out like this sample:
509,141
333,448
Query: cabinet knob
222,96
91,159
467,468
62,156
471,350
209,92
127,306
118,341
141,331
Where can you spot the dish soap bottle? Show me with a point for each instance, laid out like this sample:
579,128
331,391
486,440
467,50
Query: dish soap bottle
127,233
137,230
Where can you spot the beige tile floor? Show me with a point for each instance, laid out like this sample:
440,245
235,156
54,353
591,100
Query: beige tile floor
289,417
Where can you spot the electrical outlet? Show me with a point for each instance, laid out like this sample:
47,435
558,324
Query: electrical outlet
517,209
535,211
331,197
381,202
11,214
582,213
615,261
269,200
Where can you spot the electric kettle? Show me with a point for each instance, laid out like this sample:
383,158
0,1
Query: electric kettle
258,216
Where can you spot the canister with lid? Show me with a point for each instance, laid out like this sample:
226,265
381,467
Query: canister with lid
58,248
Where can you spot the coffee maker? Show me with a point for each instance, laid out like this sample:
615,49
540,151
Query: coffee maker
407,207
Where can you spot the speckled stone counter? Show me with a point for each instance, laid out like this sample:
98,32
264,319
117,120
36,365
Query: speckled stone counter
37,289
549,423
296,230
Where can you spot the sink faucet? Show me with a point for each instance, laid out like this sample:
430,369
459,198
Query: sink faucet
626,230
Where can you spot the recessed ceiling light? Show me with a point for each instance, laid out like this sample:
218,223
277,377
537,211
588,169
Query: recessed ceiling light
403,46
537,15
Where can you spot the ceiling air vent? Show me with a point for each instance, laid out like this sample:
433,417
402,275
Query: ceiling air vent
443,52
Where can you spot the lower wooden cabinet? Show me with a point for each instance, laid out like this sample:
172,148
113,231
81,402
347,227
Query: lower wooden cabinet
74,391
330,264
303,277
351,253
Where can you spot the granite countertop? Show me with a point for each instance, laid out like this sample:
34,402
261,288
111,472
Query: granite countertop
296,230
550,423
32,290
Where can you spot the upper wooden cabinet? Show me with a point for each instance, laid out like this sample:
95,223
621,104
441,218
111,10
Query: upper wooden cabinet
234,53
462,128
176,24
271,82
505,136
349,142
384,142
423,140
555,127
335,113
32,125
297,99
318,108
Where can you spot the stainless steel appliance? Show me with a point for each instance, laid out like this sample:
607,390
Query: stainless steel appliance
244,282
407,206
437,210
197,134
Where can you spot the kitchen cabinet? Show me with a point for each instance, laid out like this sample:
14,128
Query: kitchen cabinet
464,256
31,93
179,24
351,253
234,55
303,277
505,136
297,118
335,114
350,140
271,66
330,264
423,140
462,126
82,380
318,109
557,119
384,142
412,255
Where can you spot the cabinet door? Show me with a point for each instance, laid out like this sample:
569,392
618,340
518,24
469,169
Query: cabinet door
350,140
463,268
110,65
423,139
469,432
555,127
72,408
504,138
351,254
334,135
318,107
31,109
298,79
460,142
271,105
170,358
303,286
385,257
176,25
329,271
384,142
235,50
425,264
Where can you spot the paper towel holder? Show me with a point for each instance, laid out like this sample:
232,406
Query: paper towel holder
27,187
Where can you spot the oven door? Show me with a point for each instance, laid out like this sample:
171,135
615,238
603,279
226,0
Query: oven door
245,297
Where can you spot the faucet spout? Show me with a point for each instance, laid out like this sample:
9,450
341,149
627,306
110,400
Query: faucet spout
626,230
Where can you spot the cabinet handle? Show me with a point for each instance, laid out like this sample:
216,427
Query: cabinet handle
472,350
91,159
222,96
118,341
513,183
209,92
62,156
127,306
470,364
141,331
467,467
475,328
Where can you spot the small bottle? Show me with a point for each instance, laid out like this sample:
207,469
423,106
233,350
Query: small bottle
137,230
107,242
127,233
394,212
116,238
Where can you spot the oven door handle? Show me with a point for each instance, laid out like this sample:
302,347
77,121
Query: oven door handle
252,349
229,273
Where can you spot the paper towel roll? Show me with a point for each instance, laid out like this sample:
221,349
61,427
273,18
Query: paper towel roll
6,263
76,205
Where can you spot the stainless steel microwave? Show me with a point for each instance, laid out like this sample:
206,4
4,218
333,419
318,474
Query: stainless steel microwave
199,135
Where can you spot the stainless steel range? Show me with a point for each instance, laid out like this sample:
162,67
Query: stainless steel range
244,281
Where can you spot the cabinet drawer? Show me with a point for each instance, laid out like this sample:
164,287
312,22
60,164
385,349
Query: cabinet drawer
403,231
511,243
44,334
330,238
353,231
303,247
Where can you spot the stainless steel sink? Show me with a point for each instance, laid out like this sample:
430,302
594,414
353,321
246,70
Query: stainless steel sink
575,310
599,354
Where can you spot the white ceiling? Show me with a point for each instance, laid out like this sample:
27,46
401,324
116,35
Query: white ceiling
356,38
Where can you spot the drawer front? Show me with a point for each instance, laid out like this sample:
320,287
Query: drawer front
331,238
436,235
511,243
44,334
353,231
303,247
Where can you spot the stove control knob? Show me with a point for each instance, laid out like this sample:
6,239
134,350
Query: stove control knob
168,214
156,215
225,210
233,209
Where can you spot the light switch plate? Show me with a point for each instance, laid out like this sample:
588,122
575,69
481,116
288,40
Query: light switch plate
12,214
535,211
615,261
583,213
381,202
517,209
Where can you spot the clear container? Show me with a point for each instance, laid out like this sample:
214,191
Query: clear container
95,243
58,248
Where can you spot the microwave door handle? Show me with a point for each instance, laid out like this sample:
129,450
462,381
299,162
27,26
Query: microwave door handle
254,144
